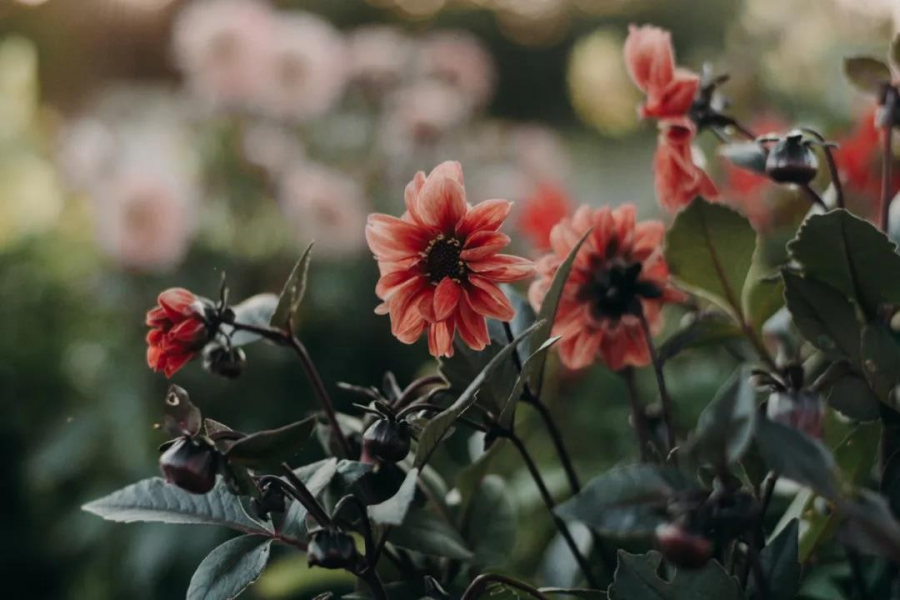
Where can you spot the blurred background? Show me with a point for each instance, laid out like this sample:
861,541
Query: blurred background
146,144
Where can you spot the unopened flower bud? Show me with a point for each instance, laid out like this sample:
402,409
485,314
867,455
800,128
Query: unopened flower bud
191,465
270,501
387,440
226,362
801,410
682,548
791,160
332,549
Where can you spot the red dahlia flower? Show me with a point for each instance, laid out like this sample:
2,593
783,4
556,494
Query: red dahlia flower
678,179
440,265
651,63
544,208
178,330
619,274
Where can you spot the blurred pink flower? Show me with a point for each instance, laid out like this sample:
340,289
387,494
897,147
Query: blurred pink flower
86,149
422,113
306,71
324,205
271,147
379,56
540,153
461,60
220,45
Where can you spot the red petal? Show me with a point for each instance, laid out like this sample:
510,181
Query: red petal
178,303
488,300
451,169
442,202
190,331
440,338
482,244
472,327
157,317
411,197
503,267
391,238
175,362
446,297
484,216
154,357
580,350
649,57
390,282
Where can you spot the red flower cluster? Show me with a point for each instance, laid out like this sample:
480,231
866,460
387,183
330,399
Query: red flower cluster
178,330
670,92
439,263
619,274
543,209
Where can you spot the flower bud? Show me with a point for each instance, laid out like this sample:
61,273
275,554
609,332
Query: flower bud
270,501
332,549
791,160
682,548
223,361
800,410
190,464
387,440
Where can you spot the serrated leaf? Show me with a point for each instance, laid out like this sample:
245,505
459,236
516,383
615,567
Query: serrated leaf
637,578
725,427
796,456
154,500
507,415
294,524
780,563
704,330
746,155
440,424
393,510
824,316
881,360
491,528
292,294
230,569
423,532
851,255
272,446
867,74
709,249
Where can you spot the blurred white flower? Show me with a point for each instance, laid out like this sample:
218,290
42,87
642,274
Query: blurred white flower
379,56
461,60
220,45
306,71
271,147
324,205
86,149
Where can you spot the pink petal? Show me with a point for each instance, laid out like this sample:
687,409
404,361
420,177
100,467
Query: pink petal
450,169
440,338
411,197
442,203
649,57
178,303
390,282
503,267
472,327
482,244
446,297
580,350
488,300
484,216
391,238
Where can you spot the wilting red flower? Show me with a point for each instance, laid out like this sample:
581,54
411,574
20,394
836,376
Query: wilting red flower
678,179
651,63
544,208
440,265
858,157
619,274
178,330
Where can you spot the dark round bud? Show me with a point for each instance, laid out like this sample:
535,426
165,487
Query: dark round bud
801,410
387,440
190,464
733,513
332,549
271,500
682,548
223,361
791,160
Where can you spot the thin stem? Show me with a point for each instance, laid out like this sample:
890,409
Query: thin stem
832,166
637,413
814,197
550,503
308,499
364,517
408,393
886,160
660,382
300,494
480,584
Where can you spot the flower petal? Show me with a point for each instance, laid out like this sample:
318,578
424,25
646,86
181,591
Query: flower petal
472,327
391,238
411,197
484,216
446,298
178,303
503,267
488,300
442,202
451,169
482,244
649,57
440,338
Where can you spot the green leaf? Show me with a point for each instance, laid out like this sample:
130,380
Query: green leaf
763,291
272,446
230,569
746,155
725,427
491,527
870,528
423,532
255,310
637,578
559,566
851,255
316,481
460,369
851,396
154,500
469,479
587,593
625,501
710,249
704,329
393,510
293,292
867,74
547,314
824,316
797,457
507,416
894,51
440,424
881,360
780,563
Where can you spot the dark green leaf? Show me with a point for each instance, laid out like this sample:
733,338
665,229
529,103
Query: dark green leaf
293,292
780,563
890,482
441,423
725,427
746,155
870,527
491,527
587,593
824,316
798,457
255,310
423,532
272,446
230,569
637,578
294,524
507,415
154,500
867,74
851,396
704,329
763,291
851,255
393,510
469,479
460,369
710,249
881,359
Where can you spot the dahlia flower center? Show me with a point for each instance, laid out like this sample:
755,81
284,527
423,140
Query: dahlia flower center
614,289
442,259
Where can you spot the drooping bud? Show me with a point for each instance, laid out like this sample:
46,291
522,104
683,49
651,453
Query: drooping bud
801,410
791,160
226,362
332,549
681,547
191,464
270,501
387,440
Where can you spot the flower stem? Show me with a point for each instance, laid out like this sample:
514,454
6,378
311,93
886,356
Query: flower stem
886,160
832,166
814,197
664,397
480,584
637,413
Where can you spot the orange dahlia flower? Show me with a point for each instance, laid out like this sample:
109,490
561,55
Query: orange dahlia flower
546,206
178,330
618,275
440,265
651,63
